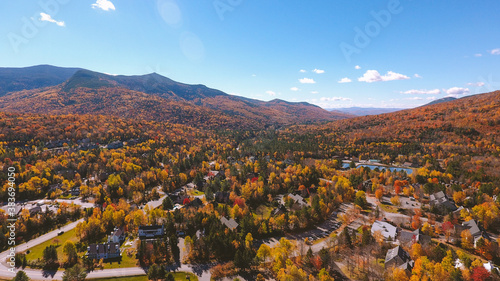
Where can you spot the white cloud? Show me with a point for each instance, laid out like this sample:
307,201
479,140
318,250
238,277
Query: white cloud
104,5
295,89
271,93
46,17
456,91
307,81
495,51
417,75
357,67
345,80
478,55
477,84
374,76
318,71
253,75
335,99
415,98
422,92
431,98
302,71
314,92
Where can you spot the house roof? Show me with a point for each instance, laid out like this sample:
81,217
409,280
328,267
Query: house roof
118,232
386,229
397,252
407,265
407,237
440,198
110,248
231,223
473,228
150,227
297,198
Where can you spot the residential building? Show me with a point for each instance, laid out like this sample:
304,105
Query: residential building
388,231
151,231
103,251
441,202
117,236
397,257
231,223
474,229
409,238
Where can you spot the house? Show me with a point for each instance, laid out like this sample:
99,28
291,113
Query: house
196,202
231,223
211,175
388,231
397,257
115,145
421,237
103,251
297,199
178,199
441,201
117,236
151,231
409,238
474,229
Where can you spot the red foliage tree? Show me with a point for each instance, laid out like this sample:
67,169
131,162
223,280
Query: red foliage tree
479,273
448,229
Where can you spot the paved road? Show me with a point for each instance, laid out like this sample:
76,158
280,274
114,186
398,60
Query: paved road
77,201
202,271
4,268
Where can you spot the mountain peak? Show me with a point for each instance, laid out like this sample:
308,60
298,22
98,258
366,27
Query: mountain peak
446,99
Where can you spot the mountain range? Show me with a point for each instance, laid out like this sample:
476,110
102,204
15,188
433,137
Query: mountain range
56,90
364,111
456,120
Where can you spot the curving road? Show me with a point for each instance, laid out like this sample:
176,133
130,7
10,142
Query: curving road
34,274
202,271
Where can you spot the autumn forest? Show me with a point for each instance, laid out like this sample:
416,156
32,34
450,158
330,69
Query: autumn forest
263,191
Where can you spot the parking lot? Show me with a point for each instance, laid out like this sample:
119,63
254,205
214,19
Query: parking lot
409,203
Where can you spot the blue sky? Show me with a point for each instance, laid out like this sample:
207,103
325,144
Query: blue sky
387,53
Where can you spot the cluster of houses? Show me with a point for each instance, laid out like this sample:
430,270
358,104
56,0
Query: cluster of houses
111,248
33,207
442,203
108,250
398,257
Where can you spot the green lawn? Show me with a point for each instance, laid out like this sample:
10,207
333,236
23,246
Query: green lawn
181,276
195,192
125,262
37,251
